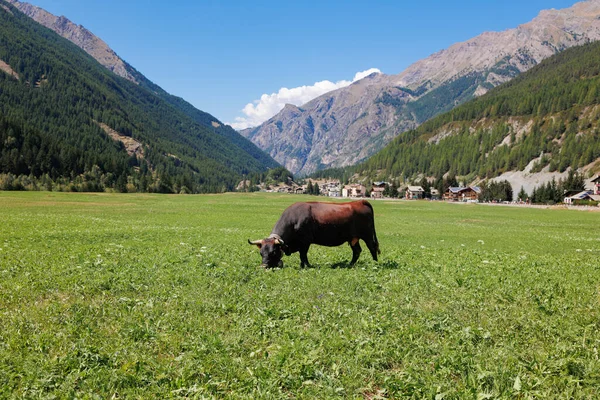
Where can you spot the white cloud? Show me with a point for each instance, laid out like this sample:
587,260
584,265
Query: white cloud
268,105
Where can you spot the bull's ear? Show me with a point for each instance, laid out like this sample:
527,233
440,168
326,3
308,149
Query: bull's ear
258,243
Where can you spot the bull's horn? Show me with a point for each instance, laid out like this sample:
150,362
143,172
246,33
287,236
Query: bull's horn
255,242
279,241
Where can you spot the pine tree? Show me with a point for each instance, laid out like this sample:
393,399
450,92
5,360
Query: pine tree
394,190
522,194
316,190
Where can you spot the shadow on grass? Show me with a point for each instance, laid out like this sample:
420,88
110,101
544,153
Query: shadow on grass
342,265
387,264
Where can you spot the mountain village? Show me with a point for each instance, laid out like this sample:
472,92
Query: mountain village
383,190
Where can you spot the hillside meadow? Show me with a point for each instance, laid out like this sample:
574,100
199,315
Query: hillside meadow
160,296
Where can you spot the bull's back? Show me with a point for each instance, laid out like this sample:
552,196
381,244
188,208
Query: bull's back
337,223
340,209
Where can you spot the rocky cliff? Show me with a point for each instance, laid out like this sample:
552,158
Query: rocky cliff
347,125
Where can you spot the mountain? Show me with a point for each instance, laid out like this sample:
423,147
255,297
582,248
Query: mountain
82,37
347,125
536,127
66,118
102,53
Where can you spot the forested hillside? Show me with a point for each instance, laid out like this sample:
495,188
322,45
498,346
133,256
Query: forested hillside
58,105
548,117
205,119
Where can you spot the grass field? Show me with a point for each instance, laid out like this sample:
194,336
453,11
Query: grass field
156,296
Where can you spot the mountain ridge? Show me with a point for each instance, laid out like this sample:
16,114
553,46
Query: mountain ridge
79,35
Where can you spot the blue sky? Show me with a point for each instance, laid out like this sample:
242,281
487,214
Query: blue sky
222,55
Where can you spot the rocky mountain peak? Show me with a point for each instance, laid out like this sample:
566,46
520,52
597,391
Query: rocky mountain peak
528,44
291,109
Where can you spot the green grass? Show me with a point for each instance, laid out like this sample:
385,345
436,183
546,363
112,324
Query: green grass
155,296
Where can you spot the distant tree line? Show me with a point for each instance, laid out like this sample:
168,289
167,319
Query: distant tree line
313,189
553,192
253,182
391,191
496,191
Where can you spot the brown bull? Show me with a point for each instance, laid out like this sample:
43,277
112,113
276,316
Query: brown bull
325,224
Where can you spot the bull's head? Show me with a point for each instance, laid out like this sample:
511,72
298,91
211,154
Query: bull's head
271,251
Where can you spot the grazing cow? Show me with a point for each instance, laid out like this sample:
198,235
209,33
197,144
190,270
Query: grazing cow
325,224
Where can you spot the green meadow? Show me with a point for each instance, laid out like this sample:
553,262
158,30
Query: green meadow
159,296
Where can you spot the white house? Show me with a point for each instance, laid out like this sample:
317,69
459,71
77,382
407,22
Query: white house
355,190
414,192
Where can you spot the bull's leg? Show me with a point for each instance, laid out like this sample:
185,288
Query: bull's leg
304,257
355,251
373,248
